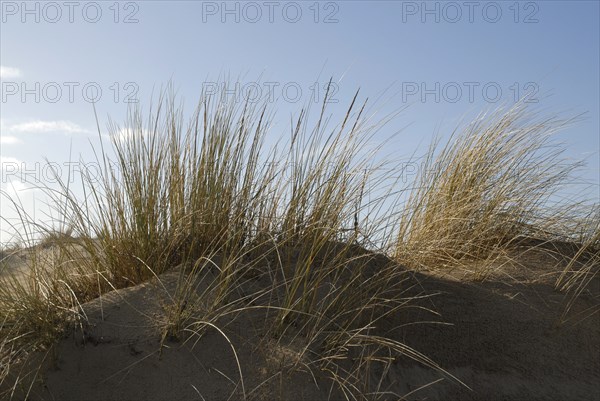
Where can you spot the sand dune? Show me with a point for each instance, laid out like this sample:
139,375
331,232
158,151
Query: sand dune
499,337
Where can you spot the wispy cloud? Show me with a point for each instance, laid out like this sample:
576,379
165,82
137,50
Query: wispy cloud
9,140
124,134
42,127
9,72
15,189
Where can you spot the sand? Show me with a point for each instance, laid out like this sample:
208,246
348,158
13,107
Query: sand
500,337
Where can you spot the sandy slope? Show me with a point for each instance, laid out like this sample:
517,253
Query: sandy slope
499,337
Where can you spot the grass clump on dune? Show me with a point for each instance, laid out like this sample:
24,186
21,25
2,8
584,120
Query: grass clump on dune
488,187
280,229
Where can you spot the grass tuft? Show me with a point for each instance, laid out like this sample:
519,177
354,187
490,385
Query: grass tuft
227,227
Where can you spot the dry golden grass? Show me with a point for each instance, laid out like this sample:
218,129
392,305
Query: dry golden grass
210,199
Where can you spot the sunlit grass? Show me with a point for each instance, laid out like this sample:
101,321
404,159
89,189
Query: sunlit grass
284,229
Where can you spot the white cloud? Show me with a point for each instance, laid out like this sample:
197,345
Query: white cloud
9,72
15,181
16,186
9,140
42,127
124,134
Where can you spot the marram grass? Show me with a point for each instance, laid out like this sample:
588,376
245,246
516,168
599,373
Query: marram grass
206,196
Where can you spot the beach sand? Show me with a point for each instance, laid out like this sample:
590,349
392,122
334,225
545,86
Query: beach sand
499,337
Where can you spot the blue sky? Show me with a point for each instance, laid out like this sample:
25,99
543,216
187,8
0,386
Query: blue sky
443,61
